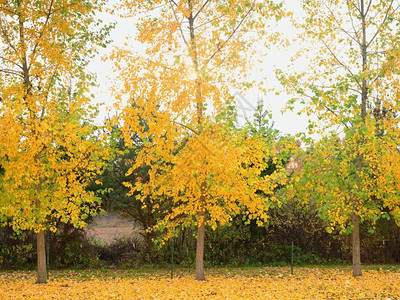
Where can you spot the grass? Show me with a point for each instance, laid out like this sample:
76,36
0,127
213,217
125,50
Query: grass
154,272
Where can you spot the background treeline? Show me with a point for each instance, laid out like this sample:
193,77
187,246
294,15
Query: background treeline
175,160
239,243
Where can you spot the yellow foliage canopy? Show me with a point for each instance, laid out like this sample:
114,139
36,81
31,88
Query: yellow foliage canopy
178,93
352,85
48,151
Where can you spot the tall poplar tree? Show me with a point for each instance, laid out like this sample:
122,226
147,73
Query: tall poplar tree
352,86
195,53
48,149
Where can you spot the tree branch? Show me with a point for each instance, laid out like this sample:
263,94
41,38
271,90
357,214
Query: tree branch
369,6
11,62
339,25
352,23
49,13
7,37
230,36
355,6
328,109
209,21
8,71
179,23
187,127
342,64
202,7
382,24
9,11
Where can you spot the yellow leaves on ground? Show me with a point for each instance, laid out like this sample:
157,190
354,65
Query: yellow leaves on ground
262,283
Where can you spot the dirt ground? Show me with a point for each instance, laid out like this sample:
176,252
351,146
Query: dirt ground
111,227
109,234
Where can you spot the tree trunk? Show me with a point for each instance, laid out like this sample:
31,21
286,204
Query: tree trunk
360,159
200,252
41,258
200,119
150,248
356,246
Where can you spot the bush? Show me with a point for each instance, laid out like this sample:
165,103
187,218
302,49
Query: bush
122,252
68,248
16,251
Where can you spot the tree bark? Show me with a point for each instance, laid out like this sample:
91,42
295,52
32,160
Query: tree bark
200,251
360,159
356,246
40,243
40,238
41,258
200,120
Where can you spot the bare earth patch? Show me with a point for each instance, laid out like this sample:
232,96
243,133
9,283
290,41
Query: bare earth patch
110,227
107,235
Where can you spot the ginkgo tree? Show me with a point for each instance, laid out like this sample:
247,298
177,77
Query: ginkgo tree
352,86
194,54
49,151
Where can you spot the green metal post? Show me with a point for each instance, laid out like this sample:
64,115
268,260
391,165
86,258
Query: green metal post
172,260
291,261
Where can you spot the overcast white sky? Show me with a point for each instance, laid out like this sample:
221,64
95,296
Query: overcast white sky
289,122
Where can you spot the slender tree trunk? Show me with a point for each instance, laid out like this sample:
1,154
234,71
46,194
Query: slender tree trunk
200,251
360,159
150,247
40,244
41,257
200,119
40,238
356,246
